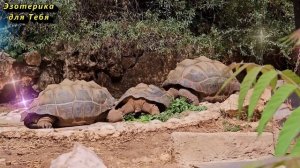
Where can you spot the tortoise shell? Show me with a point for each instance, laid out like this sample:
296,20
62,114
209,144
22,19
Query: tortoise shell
73,103
202,75
150,93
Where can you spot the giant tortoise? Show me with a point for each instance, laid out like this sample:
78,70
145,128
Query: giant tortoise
200,78
69,104
141,98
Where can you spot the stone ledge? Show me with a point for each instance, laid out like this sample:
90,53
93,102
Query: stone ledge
102,130
194,148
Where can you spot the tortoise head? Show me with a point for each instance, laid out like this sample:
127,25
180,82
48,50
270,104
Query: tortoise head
115,115
30,119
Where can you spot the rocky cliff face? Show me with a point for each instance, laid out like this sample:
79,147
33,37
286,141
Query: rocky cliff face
117,71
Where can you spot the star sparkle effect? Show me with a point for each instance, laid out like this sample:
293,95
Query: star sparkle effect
261,35
24,102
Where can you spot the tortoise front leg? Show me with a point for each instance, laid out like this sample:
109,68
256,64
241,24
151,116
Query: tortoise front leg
173,92
189,95
43,122
46,122
214,99
184,93
150,108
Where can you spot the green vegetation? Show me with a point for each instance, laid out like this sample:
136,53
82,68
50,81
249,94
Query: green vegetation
177,106
269,77
229,127
218,29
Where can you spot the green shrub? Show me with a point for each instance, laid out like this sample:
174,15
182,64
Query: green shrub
215,28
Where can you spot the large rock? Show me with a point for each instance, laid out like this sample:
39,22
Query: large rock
230,105
51,74
119,66
11,118
7,90
33,58
194,148
29,71
79,157
6,69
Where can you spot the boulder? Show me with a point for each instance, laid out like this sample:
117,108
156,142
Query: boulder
230,105
50,75
79,157
7,91
33,58
119,66
191,149
6,69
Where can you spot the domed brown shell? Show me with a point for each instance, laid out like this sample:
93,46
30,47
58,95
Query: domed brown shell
151,93
73,103
203,75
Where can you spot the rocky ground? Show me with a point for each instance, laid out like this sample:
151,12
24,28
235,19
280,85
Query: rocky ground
122,144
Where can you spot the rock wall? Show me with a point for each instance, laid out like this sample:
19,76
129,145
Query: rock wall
117,71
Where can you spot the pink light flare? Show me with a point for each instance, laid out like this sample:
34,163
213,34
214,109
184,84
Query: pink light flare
24,102
14,82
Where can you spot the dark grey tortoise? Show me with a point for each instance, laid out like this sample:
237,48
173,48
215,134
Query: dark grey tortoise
69,104
200,79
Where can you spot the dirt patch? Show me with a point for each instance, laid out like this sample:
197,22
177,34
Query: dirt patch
131,145
151,149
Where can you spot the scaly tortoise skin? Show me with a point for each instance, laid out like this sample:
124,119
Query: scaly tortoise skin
141,98
200,78
69,104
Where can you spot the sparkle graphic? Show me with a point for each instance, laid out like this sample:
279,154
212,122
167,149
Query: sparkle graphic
23,102
261,35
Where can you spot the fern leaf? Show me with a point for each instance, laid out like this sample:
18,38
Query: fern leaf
233,75
296,149
273,83
289,76
280,95
267,68
289,132
246,85
263,82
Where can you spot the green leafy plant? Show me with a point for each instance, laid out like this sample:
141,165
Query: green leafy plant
177,106
229,127
188,28
261,77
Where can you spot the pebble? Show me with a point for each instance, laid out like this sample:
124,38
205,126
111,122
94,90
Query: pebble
2,161
165,157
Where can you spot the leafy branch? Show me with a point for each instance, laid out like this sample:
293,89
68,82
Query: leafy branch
268,78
